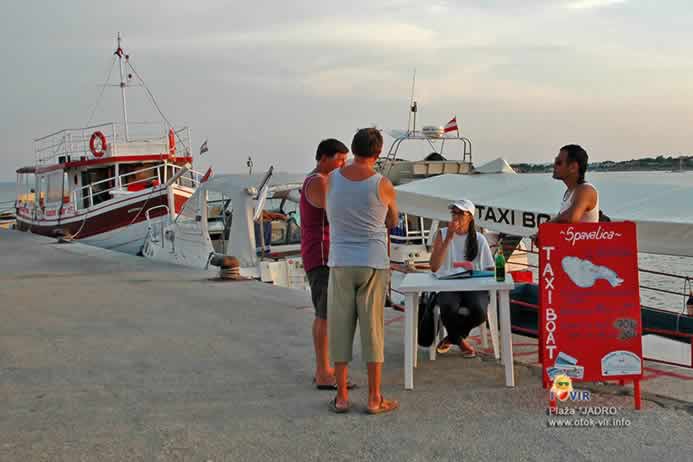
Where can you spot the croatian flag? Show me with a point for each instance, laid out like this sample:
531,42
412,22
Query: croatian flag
452,125
207,175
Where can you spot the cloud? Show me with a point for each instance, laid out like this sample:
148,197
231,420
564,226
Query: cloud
522,73
592,4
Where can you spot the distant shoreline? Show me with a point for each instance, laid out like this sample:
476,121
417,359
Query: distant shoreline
645,164
594,170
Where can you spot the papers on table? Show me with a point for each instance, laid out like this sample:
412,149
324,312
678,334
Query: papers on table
458,273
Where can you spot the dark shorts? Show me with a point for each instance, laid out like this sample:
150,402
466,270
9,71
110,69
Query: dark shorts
318,279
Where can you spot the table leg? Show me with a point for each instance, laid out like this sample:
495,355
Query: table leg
506,338
493,322
411,302
416,333
436,334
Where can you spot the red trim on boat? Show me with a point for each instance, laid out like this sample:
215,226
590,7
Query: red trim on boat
179,199
105,160
100,223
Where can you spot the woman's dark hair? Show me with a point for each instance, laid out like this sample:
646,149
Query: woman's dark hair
472,247
330,147
575,153
367,142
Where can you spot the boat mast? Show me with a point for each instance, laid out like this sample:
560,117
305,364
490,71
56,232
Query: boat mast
119,53
412,107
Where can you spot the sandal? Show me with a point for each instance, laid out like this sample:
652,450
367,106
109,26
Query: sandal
332,406
383,407
333,386
468,351
444,346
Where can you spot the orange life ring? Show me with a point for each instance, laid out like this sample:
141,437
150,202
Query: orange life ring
92,144
171,142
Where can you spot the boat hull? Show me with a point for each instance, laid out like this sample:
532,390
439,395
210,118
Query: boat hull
119,224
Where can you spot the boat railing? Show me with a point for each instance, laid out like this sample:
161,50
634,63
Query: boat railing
157,235
72,144
431,140
7,206
145,179
191,179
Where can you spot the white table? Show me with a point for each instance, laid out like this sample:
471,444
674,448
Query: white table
415,283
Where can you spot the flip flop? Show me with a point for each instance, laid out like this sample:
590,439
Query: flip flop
467,350
444,346
383,408
332,406
333,386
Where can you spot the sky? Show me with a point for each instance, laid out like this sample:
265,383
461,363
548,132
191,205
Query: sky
270,79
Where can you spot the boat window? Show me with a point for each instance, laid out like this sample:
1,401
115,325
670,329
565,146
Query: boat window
41,193
189,219
413,225
285,232
101,181
66,187
25,189
219,211
139,176
291,210
54,187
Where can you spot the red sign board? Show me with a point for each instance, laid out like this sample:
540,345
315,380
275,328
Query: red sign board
590,322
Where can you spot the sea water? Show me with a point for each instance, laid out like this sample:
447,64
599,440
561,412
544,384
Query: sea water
662,263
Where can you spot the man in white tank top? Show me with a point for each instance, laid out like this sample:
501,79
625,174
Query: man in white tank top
580,202
361,206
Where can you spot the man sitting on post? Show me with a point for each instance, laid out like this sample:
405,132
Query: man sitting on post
580,202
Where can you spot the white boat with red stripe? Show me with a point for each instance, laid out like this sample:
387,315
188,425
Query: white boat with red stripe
107,184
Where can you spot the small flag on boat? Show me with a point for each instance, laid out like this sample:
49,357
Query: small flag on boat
203,148
452,125
206,175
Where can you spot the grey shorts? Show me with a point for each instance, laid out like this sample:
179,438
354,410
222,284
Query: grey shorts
318,278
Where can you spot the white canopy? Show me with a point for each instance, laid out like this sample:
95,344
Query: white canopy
495,166
234,182
661,203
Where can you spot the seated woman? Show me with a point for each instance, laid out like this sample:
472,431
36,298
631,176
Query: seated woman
460,242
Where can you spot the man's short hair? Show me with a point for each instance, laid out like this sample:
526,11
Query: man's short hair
576,153
367,142
330,147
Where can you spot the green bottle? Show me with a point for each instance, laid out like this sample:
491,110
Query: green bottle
500,265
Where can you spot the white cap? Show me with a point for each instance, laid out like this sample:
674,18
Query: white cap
463,205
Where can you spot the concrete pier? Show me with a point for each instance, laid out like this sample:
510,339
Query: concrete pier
109,357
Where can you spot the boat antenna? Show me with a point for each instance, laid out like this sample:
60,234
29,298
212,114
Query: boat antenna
120,53
154,103
412,106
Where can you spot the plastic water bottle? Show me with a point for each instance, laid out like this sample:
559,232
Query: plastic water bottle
500,265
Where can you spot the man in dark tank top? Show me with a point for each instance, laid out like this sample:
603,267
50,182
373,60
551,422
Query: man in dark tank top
315,243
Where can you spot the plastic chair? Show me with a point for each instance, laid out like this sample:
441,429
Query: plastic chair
492,320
